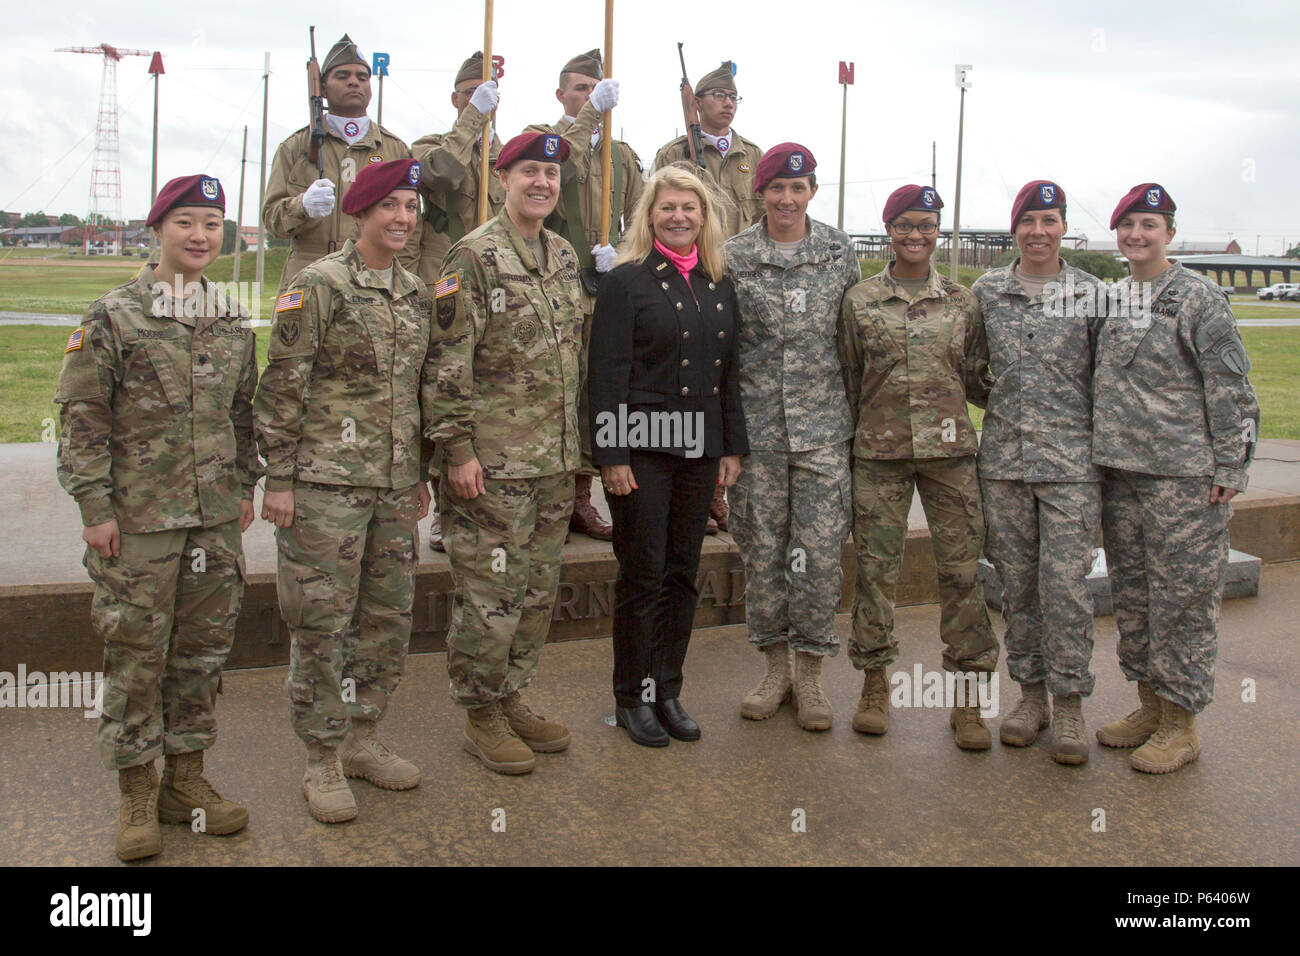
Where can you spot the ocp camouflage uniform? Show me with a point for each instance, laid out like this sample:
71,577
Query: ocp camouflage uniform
1173,416
908,362
790,507
1041,492
157,434
502,388
338,421
733,175
292,173
449,184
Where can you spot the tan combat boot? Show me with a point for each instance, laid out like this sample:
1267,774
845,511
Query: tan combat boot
814,710
1173,745
184,790
329,798
138,835
774,689
1134,729
364,755
541,735
489,737
969,730
1021,726
1069,737
873,709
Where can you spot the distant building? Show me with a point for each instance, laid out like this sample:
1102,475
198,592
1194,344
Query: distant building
32,235
1177,249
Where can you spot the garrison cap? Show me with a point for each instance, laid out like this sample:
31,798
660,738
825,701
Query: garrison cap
723,78
543,147
377,180
197,190
784,161
471,69
1039,194
588,64
923,198
1144,197
345,51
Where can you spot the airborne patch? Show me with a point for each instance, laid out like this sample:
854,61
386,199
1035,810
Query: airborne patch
288,301
75,341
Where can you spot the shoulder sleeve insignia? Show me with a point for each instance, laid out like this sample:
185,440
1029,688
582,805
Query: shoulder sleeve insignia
447,285
75,341
288,301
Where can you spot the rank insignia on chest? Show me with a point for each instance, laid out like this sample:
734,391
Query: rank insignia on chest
289,301
74,341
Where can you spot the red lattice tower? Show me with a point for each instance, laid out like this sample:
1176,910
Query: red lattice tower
106,170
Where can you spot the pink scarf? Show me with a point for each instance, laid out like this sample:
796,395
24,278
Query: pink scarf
684,263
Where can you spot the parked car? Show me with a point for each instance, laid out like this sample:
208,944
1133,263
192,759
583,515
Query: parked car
1277,290
1291,295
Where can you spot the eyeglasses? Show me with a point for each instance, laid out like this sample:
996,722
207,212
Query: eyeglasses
904,228
720,95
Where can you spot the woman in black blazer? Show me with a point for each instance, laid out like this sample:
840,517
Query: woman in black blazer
667,428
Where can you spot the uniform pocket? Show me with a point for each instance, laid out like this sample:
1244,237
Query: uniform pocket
124,582
171,364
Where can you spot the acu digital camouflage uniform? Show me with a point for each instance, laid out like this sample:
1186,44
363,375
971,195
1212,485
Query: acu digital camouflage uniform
908,362
338,421
794,491
157,434
292,173
502,387
1173,416
1042,496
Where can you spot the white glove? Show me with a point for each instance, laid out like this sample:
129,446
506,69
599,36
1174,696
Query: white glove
485,97
318,200
604,96
605,256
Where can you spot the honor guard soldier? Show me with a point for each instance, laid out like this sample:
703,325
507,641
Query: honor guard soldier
1041,492
501,398
338,422
791,273
1174,427
909,347
302,198
586,96
450,164
729,158
156,394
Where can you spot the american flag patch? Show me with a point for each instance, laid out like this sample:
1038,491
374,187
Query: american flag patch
446,286
74,341
290,300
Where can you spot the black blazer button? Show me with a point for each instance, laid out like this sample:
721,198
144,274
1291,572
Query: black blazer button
685,390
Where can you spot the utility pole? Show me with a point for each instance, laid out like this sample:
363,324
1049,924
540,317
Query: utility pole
239,210
156,69
934,166
846,80
261,189
963,84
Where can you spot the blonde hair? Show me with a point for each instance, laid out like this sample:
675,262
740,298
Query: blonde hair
639,240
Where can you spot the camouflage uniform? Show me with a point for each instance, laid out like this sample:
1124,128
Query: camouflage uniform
733,175
502,387
795,490
157,434
1173,416
449,164
1041,492
338,421
908,362
292,173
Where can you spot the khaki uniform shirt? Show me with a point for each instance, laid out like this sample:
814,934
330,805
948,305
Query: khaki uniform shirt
907,363
292,173
338,403
157,412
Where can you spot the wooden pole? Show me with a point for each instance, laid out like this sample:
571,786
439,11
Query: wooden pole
239,210
607,129
261,186
485,142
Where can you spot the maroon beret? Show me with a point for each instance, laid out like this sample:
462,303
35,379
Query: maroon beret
1144,197
1040,194
924,198
784,161
543,147
196,190
377,180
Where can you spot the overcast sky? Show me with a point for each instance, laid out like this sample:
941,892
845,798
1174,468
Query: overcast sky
1098,96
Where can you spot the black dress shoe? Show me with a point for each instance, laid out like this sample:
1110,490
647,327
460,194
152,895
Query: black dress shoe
641,725
675,720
